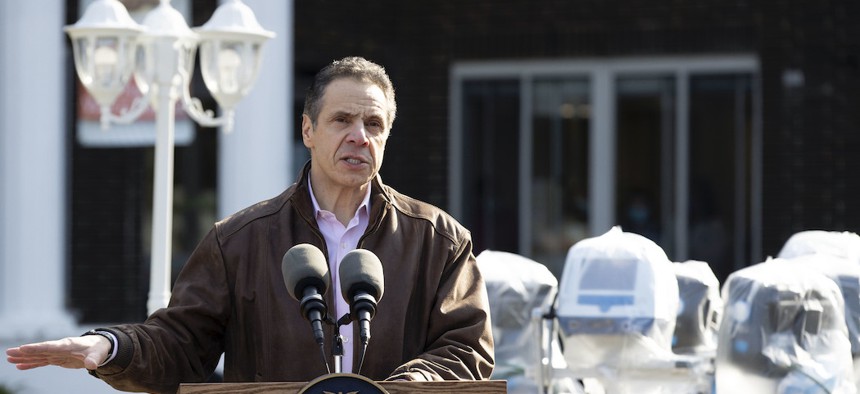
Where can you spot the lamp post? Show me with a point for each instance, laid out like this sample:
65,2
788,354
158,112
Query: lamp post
109,47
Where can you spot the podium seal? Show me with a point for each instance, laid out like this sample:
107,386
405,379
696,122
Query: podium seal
342,383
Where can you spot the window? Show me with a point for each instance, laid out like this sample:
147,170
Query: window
719,177
559,176
545,154
645,126
491,138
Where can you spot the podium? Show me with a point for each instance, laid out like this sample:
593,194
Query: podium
449,386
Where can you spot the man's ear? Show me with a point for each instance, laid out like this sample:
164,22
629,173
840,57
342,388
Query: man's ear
307,129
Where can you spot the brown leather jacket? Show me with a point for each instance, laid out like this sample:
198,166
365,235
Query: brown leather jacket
432,323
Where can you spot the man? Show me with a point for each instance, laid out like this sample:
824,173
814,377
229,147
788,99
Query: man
432,323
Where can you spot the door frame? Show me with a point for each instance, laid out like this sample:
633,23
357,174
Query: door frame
602,73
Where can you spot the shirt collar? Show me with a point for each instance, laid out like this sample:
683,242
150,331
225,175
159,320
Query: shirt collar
365,203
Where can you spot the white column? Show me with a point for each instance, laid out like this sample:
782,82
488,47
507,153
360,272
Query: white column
601,171
254,160
33,170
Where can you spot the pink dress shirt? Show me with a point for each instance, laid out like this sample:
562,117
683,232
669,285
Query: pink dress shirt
339,240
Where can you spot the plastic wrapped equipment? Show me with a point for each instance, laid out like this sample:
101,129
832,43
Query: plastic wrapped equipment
841,244
617,308
701,309
783,331
521,292
836,255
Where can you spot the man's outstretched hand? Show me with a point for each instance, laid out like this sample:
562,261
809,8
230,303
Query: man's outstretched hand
74,352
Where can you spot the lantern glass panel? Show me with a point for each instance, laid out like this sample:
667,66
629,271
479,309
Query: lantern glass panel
229,68
104,65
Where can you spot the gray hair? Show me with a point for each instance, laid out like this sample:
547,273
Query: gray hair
357,68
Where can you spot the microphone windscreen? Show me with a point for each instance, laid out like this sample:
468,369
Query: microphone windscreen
305,265
361,270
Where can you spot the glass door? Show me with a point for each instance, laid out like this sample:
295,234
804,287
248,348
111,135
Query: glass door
490,141
720,145
546,154
645,136
559,189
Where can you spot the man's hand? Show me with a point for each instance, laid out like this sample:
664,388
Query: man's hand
74,352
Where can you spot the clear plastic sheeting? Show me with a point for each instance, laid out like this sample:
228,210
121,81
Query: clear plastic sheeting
841,244
521,293
835,254
617,308
783,332
700,311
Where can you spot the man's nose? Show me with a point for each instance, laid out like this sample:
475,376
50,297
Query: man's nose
358,133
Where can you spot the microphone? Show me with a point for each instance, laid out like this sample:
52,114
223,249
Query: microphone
306,278
362,284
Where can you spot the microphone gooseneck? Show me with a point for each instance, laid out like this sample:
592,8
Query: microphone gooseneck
306,278
362,285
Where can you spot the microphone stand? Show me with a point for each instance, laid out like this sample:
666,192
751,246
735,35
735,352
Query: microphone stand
337,352
337,349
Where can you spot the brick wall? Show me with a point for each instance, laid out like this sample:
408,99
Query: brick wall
810,131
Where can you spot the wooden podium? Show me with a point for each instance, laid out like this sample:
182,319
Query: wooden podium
451,386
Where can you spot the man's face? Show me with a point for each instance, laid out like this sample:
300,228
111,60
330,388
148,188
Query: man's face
348,141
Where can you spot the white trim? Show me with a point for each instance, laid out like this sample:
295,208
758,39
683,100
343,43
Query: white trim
756,173
33,257
740,174
138,134
255,159
691,64
525,167
682,165
455,147
601,165
6,153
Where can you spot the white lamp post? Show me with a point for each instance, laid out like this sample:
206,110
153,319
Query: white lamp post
109,46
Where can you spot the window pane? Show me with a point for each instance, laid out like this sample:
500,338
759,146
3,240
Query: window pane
645,157
720,128
559,187
490,138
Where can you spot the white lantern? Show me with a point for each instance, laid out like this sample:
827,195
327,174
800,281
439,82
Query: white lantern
230,50
109,46
165,53
103,43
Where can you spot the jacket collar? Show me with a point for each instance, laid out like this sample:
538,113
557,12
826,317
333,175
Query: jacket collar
380,196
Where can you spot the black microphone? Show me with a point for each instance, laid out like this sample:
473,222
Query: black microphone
362,284
306,278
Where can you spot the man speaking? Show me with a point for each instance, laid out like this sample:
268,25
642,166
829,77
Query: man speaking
432,324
